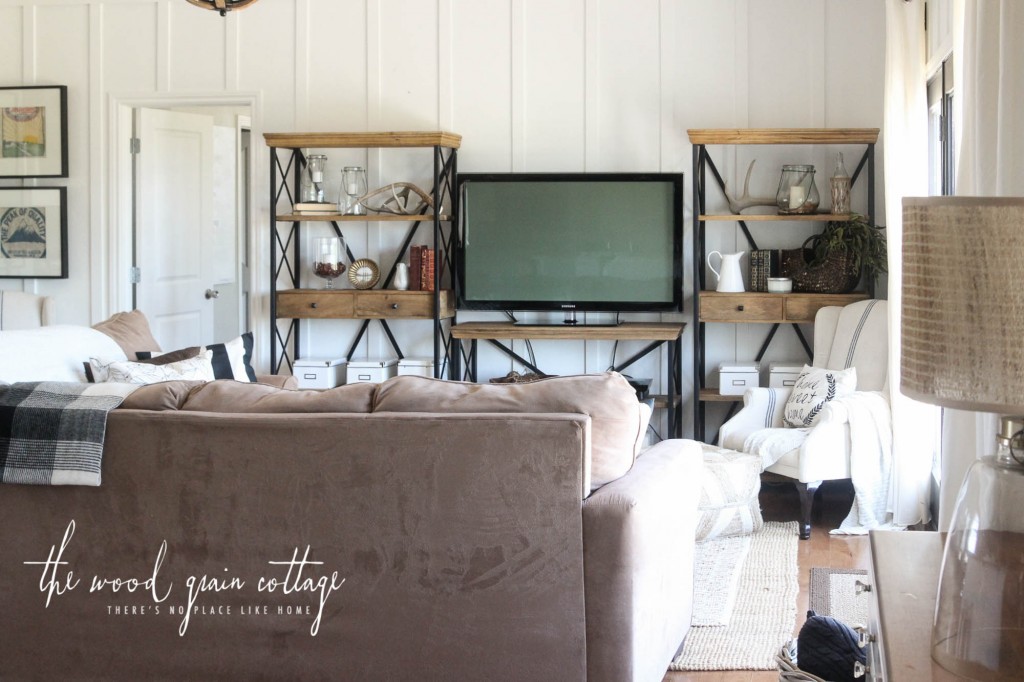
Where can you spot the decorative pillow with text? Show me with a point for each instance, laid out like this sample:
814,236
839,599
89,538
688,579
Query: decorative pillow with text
815,387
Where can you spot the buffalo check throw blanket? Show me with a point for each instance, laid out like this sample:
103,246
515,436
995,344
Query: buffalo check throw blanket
51,432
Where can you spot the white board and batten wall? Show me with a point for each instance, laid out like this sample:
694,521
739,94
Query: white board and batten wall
559,85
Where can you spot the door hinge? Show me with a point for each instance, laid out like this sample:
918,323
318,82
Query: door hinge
135,275
136,145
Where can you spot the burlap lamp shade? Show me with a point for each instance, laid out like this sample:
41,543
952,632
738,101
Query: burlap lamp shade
963,302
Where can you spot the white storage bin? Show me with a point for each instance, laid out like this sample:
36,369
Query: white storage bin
319,372
736,378
783,374
420,367
370,371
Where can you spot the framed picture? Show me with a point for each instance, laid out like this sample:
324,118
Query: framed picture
34,134
34,232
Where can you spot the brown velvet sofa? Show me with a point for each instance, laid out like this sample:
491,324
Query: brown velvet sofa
461,532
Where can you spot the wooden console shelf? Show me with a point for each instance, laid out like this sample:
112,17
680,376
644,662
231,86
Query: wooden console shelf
627,331
752,306
777,217
355,140
656,333
783,135
903,583
363,304
370,218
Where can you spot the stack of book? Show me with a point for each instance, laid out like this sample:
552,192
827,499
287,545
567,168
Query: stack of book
764,263
421,268
315,208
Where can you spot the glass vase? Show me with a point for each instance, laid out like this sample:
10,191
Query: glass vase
329,259
353,187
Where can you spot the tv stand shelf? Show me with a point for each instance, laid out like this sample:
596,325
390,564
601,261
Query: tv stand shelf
657,333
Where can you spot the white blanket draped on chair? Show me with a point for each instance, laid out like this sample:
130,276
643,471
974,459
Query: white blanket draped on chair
869,414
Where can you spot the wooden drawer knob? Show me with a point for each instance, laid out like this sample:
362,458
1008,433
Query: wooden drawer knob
312,305
394,306
739,308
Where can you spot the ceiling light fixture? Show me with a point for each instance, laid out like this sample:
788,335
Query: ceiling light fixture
222,6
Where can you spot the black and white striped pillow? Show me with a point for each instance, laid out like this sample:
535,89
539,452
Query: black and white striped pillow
231,360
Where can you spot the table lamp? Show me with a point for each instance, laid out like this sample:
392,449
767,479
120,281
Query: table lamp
963,347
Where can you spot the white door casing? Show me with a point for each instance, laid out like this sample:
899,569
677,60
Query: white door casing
174,213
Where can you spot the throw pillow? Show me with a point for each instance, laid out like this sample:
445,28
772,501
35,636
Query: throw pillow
131,331
815,387
199,368
231,360
157,359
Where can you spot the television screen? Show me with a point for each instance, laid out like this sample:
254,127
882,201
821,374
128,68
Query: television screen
603,242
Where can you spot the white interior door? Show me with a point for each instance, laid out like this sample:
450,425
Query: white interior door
174,218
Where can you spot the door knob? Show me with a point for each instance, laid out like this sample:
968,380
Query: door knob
211,293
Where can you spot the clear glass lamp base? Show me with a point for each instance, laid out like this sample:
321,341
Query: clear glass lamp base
978,631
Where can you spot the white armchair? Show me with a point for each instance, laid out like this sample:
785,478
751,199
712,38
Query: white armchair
19,310
856,335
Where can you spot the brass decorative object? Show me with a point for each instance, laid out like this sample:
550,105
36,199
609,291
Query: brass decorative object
363,274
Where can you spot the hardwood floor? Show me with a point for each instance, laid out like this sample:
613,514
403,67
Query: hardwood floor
779,503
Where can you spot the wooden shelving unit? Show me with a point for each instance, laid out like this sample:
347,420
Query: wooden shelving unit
657,333
287,159
758,307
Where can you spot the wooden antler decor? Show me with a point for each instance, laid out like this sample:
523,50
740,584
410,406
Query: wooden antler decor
222,6
737,204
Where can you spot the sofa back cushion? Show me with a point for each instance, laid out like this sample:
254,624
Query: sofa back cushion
226,395
131,332
608,399
52,353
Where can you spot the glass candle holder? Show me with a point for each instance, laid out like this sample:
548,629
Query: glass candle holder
353,186
797,191
312,189
328,259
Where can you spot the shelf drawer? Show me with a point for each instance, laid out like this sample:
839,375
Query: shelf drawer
313,303
404,304
804,308
740,308
355,304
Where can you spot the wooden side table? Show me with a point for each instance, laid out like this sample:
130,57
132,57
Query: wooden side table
903,580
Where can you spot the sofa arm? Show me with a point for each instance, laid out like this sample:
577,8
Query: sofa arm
763,408
638,542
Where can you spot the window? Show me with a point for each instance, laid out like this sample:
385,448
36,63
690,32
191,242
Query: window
941,176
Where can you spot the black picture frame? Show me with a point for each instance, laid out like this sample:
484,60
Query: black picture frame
30,247
34,131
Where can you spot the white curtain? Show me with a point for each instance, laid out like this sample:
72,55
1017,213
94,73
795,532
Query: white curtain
915,426
989,97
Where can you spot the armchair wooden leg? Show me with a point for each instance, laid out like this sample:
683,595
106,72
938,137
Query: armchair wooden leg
806,492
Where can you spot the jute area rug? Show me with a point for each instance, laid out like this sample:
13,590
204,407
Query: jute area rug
833,593
764,611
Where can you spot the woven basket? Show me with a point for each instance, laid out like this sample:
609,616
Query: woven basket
835,276
788,670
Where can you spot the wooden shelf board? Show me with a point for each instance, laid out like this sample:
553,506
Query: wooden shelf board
373,140
627,331
711,395
783,135
370,218
852,296
755,218
661,400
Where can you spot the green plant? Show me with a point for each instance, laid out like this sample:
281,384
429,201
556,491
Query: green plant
856,239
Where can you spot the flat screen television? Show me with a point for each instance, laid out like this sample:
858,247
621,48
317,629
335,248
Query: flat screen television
570,241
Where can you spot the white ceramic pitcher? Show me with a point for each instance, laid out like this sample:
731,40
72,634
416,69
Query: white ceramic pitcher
730,279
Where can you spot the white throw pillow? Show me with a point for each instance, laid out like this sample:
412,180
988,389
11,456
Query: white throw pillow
199,368
815,387
231,360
